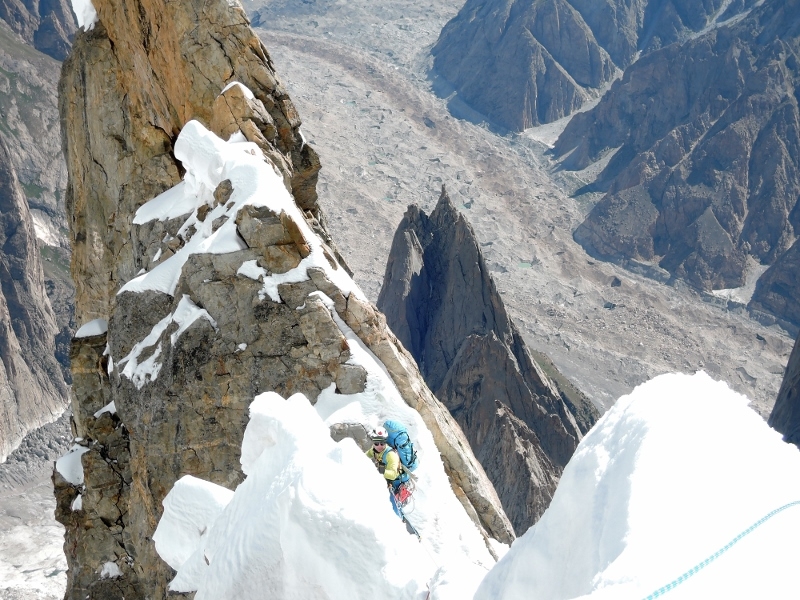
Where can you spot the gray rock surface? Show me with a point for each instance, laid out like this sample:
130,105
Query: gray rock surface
704,149
441,301
785,415
32,387
520,63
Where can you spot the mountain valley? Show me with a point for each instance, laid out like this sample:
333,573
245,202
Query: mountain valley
358,74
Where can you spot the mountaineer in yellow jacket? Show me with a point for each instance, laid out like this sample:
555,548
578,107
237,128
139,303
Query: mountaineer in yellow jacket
387,461
384,456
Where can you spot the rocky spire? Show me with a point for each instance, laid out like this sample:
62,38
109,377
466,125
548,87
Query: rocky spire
442,303
32,388
193,334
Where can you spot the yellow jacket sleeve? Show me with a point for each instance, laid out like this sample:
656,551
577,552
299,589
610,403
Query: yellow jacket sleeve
392,471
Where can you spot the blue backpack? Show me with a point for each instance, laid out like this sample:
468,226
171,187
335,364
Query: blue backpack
400,441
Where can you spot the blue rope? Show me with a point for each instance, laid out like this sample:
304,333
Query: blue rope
675,583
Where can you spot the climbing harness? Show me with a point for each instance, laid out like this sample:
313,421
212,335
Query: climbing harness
704,563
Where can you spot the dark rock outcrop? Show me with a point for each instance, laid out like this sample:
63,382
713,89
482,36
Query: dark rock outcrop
440,300
46,25
706,164
32,388
785,415
526,62
166,63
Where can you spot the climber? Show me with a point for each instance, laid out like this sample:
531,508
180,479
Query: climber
387,461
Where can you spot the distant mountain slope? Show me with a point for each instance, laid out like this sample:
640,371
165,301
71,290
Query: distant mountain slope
37,292
29,120
32,388
441,302
526,62
46,25
706,163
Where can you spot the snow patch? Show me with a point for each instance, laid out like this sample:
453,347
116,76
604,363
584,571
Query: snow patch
312,515
92,328
108,408
45,232
754,271
245,90
251,269
110,570
69,465
85,13
190,510
313,518
77,504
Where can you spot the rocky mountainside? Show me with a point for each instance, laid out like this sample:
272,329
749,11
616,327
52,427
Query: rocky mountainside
703,151
441,301
521,63
48,26
785,415
34,176
32,388
192,311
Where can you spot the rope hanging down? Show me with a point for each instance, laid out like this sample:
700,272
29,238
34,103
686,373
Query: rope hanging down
675,583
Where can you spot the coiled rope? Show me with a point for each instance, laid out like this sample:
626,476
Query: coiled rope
704,563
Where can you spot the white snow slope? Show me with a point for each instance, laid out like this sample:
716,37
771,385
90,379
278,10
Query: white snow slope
669,477
678,472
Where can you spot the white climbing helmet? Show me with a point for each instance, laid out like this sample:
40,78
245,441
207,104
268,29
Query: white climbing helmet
378,434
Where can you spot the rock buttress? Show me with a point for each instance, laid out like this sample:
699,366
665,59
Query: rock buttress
181,388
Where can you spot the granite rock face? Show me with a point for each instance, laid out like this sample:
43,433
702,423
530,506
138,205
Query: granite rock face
522,63
166,63
440,300
47,26
32,387
785,415
705,167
